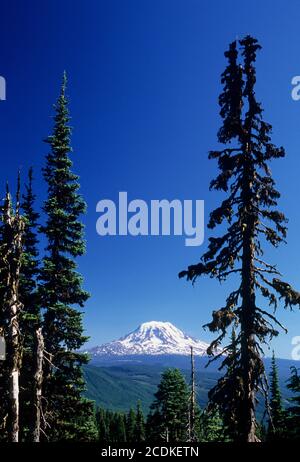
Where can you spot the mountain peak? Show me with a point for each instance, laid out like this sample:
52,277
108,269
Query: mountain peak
150,324
152,338
155,326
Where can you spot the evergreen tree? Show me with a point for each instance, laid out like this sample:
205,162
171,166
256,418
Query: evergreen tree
102,426
276,424
30,263
293,419
117,428
61,291
169,411
30,319
122,428
153,427
109,424
198,424
84,428
231,382
252,218
131,426
139,431
212,426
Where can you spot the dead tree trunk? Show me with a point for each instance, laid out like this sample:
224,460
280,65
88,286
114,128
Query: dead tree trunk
13,340
12,242
37,387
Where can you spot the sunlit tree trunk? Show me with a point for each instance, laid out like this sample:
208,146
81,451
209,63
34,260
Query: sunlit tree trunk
12,247
38,380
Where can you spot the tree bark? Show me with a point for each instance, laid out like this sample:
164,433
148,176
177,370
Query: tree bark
247,410
15,227
13,336
37,388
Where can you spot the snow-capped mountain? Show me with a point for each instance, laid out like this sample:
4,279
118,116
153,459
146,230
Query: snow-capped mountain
152,338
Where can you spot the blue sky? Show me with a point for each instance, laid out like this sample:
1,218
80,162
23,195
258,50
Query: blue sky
144,80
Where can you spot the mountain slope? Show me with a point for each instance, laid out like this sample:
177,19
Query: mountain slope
152,338
119,387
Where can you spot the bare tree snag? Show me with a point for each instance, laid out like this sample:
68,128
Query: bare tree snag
12,254
38,381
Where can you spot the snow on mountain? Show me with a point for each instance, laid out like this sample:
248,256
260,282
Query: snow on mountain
152,338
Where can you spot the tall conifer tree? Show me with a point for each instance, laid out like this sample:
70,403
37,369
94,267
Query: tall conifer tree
31,318
139,433
293,420
29,270
252,218
130,426
102,426
61,289
212,427
168,420
276,425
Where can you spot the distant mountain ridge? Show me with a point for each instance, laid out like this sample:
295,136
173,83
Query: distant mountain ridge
118,384
152,338
129,369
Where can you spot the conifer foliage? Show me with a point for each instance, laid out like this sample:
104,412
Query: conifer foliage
41,381
169,417
131,426
250,213
277,417
139,431
30,263
61,291
293,419
116,427
30,320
